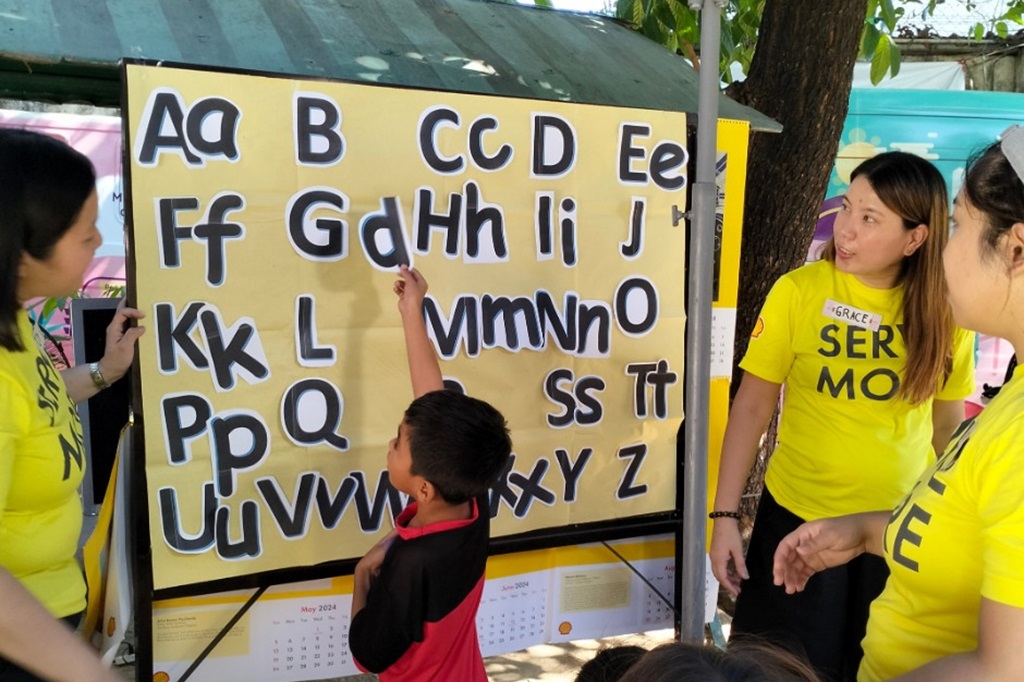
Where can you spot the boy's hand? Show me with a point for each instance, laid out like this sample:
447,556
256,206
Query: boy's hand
367,571
410,289
424,370
370,564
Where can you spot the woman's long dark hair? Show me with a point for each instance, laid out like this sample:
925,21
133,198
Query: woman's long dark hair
43,185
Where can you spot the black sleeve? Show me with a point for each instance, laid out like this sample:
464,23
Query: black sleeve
392,620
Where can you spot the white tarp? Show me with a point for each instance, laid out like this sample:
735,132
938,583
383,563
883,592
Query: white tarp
915,76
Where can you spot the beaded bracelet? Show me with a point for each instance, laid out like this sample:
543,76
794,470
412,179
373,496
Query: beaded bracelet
724,514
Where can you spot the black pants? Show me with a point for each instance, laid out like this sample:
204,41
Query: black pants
826,622
11,672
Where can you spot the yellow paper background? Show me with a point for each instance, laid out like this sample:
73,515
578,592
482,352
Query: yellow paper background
355,309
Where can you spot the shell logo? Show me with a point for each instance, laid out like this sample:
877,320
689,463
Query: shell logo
161,676
564,628
111,626
758,328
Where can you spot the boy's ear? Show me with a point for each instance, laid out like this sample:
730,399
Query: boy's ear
425,491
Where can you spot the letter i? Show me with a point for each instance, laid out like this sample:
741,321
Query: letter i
567,221
543,222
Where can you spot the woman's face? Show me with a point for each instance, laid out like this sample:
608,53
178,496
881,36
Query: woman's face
870,239
62,273
976,275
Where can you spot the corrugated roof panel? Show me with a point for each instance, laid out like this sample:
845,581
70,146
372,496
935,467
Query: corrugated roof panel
239,22
159,37
471,46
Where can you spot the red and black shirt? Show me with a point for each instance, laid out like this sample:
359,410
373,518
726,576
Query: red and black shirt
419,622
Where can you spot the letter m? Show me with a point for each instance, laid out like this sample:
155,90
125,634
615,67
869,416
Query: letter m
463,324
835,389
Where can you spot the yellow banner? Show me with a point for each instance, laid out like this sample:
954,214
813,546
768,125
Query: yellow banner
269,215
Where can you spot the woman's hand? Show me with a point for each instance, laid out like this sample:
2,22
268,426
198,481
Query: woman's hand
825,543
119,351
727,561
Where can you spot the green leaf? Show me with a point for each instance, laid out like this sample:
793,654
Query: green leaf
682,14
979,31
664,14
630,10
728,46
869,40
1001,30
888,14
49,306
655,30
880,60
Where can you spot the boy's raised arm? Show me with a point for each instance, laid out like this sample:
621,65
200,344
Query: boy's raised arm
423,365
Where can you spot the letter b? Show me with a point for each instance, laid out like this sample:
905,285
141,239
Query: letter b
321,142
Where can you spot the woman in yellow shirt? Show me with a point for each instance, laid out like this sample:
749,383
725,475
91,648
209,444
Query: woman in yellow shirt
48,236
875,374
953,608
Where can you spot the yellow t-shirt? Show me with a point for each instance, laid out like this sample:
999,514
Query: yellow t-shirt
957,537
41,467
847,443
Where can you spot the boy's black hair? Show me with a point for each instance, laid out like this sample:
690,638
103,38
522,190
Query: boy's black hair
458,443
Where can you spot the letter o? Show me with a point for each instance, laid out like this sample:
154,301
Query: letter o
893,380
636,306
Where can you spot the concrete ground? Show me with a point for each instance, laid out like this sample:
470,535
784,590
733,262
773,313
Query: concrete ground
541,663
561,662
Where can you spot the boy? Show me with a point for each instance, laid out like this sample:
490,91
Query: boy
417,591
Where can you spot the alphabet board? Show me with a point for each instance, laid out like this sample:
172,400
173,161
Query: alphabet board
269,215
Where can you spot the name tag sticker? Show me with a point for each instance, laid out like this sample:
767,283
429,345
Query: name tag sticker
850,315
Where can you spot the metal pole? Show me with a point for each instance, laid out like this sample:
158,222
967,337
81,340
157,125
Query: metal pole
692,548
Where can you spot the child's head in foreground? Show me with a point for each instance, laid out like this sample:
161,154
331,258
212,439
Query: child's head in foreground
743,661
449,445
609,665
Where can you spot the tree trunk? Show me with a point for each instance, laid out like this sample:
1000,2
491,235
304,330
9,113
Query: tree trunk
802,81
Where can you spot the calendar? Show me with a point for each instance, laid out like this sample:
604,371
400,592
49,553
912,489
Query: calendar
299,631
306,639
662,576
292,633
657,612
513,613
723,333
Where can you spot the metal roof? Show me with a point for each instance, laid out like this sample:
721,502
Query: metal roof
68,50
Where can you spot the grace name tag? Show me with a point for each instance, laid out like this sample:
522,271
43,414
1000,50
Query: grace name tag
850,315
